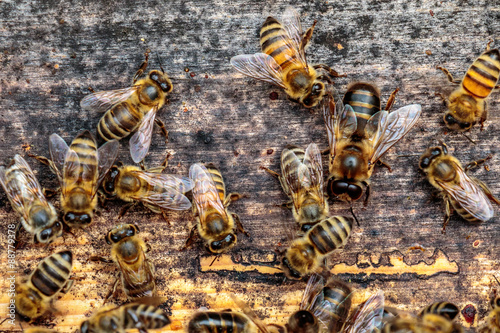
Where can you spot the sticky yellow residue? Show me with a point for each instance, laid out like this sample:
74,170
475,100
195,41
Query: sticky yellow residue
224,262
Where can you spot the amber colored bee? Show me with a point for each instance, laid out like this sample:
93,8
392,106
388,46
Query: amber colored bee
302,180
306,254
445,309
80,168
111,318
34,297
467,104
283,60
23,190
132,109
151,187
356,144
215,224
428,323
469,196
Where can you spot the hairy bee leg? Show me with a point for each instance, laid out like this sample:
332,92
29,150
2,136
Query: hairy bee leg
143,67
306,38
271,172
447,214
163,129
488,45
391,100
91,89
191,238
112,292
326,78
477,163
233,197
17,237
239,225
164,214
46,161
448,74
126,208
49,193
102,198
329,70
67,286
101,259
325,151
445,103
385,165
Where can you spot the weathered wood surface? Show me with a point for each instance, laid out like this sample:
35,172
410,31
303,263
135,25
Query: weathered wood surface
51,51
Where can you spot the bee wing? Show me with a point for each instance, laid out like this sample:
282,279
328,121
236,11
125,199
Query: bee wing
368,316
314,164
141,140
291,24
58,150
181,184
469,195
260,66
134,276
340,120
313,294
106,156
71,171
31,182
204,189
18,201
103,100
384,129
295,174
249,312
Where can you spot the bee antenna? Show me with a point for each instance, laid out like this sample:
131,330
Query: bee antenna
3,321
354,215
468,138
159,61
216,257
496,279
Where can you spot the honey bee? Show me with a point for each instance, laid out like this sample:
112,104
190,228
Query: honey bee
212,322
80,168
155,190
283,60
128,252
34,297
445,309
356,144
469,196
23,190
367,317
215,224
305,254
132,109
119,319
428,323
302,180
467,104
492,324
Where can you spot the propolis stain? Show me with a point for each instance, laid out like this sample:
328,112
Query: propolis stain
469,313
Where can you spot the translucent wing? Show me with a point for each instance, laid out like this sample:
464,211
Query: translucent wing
340,121
182,184
250,313
32,183
368,316
141,140
469,195
58,150
260,66
204,190
291,24
106,155
86,172
104,100
314,164
71,172
384,129
136,276
313,294
14,191
295,178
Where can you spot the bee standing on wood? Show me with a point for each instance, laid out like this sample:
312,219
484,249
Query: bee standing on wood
34,297
356,144
469,196
132,109
215,224
283,60
80,168
24,192
467,104
302,180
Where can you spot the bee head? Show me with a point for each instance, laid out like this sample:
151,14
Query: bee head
495,302
289,271
109,181
48,235
429,155
120,232
80,220
312,98
224,244
27,305
455,124
343,187
303,321
162,80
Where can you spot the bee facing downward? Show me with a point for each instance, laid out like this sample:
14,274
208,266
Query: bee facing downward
283,60
469,196
132,109
23,190
467,104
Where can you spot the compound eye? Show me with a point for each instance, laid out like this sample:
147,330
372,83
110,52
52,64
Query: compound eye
85,219
424,163
308,102
354,192
165,87
316,89
154,77
339,187
465,125
218,246
45,235
449,119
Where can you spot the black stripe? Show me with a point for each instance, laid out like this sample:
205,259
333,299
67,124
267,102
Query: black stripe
484,73
269,31
270,41
489,64
278,51
53,273
270,20
60,265
285,63
43,283
82,145
320,237
494,54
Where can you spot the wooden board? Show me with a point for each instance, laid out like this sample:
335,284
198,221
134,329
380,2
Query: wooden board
52,51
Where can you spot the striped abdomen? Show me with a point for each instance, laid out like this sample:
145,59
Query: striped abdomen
85,148
151,317
290,162
217,178
274,41
119,121
364,98
338,294
52,274
464,213
330,234
445,309
220,322
483,74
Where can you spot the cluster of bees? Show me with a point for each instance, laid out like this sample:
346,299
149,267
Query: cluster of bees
359,131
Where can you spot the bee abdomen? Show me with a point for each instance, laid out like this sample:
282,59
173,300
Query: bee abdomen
152,317
274,42
52,273
330,234
119,122
287,156
218,180
445,309
338,295
465,214
483,74
218,322
364,100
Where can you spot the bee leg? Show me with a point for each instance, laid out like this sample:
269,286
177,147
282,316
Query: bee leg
164,214
442,97
329,70
271,172
112,292
191,238
143,67
49,193
365,203
385,165
477,163
307,36
148,248
484,116
233,197
101,259
239,225
17,237
448,74
326,151
447,214
46,161
488,45
163,129
91,89
125,209
391,100
67,286
326,78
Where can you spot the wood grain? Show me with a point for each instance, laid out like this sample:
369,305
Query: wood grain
51,51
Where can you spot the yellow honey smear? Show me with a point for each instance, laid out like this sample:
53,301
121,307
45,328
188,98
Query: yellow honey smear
225,263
